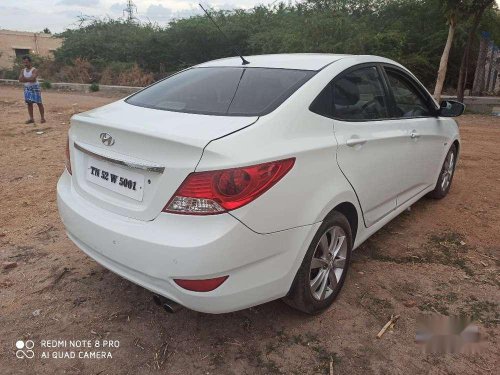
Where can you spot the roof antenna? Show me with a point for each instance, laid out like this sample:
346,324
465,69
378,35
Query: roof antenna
236,50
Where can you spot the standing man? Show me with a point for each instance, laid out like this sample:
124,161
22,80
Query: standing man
32,93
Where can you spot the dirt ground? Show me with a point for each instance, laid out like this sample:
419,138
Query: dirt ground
441,257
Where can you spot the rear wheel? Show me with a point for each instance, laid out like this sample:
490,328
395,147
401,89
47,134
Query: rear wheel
443,184
324,268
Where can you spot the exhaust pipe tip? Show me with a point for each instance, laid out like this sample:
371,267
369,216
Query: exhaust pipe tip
172,307
169,305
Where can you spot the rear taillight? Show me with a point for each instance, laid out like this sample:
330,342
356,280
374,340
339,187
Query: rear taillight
68,158
214,192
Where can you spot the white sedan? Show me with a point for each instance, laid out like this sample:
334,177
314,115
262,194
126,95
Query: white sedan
226,185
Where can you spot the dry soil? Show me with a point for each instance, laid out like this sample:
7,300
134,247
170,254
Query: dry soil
441,257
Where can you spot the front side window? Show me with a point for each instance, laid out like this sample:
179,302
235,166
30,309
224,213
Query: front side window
223,91
359,95
408,101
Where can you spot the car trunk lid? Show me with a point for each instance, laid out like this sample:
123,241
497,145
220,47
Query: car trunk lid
130,160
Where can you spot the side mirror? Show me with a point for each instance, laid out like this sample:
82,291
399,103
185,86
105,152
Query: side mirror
451,108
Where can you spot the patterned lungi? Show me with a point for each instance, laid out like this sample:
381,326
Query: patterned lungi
32,94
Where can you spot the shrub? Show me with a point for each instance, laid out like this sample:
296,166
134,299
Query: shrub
110,72
46,66
125,74
94,87
80,71
9,74
46,85
135,76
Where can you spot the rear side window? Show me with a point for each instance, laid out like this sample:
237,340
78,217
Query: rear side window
356,95
322,105
408,101
359,95
223,91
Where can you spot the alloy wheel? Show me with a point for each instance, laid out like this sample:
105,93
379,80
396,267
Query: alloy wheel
447,172
328,263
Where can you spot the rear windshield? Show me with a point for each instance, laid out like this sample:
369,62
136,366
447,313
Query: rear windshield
223,91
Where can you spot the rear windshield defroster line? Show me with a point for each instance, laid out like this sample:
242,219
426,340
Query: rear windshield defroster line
223,91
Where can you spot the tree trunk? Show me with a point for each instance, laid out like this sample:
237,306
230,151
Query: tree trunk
443,64
464,65
479,82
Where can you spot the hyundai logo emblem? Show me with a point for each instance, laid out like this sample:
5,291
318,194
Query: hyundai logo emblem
107,139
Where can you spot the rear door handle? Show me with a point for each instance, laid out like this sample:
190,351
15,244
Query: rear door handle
414,135
355,141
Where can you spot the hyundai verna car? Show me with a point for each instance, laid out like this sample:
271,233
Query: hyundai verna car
226,185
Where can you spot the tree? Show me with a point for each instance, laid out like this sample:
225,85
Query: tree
47,31
477,9
451,8
478,85
408,31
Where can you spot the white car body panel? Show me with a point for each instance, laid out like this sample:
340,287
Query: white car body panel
301,61
260,245
194,247
305,189
423,156
150,137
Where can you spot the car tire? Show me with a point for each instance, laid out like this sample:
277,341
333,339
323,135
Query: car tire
320,268
446,174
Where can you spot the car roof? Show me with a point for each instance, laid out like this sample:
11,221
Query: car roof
301,61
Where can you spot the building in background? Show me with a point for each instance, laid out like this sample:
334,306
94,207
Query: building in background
19,43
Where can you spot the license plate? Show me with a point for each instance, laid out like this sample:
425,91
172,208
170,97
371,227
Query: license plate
117,179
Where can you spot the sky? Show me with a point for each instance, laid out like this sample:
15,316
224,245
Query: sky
58,15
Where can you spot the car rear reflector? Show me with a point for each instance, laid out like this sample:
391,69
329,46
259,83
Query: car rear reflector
214,192
206,285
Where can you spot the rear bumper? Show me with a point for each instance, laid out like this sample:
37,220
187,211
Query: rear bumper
261,267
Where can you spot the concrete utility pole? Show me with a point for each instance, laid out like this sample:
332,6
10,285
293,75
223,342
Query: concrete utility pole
493,70
130,8
479,76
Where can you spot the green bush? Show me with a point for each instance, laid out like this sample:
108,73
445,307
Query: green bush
46,85
94,87
412,32
9,74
